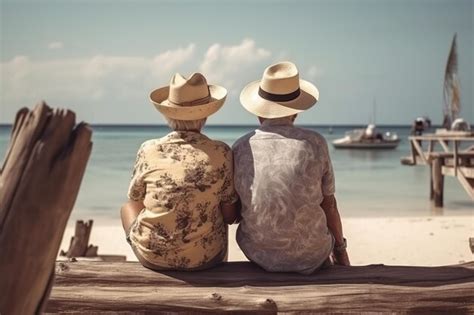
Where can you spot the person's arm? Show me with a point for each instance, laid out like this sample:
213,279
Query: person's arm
136,192
129,212
334,224
229,199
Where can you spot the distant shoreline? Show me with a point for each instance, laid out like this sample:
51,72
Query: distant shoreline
240,126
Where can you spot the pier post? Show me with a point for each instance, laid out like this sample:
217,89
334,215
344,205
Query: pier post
437,181
431,182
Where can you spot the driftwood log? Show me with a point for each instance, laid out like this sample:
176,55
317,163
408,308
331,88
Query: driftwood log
39,182
79,246
245,288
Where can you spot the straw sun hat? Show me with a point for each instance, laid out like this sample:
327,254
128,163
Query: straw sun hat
188,99
279,93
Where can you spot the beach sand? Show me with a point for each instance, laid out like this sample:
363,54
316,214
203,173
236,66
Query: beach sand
421,241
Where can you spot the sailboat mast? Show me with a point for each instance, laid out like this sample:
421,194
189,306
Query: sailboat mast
374,111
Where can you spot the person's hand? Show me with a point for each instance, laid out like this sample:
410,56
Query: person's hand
341,258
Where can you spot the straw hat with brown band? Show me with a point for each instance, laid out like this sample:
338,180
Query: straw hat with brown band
188,99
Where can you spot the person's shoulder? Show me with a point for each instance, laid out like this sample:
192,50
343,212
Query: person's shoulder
243,140
146,145
220,145
311,135
152,144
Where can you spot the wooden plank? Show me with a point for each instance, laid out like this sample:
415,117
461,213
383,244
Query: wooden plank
445,136
244,287
413,152
465,176
419,151
462,154
453,133
39,183
468,172
466,184
444,145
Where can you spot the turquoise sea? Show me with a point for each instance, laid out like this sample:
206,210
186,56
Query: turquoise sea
368,183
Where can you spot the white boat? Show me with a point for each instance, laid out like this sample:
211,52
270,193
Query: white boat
367,138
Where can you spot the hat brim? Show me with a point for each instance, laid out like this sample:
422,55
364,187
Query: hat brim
261,107
159,98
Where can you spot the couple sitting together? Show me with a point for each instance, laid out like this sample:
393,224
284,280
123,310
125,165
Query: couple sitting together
276,181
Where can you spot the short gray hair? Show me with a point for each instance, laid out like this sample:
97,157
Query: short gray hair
186,125
285,119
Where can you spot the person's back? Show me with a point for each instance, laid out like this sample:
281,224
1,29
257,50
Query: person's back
281,175
284,177
181,195
181,180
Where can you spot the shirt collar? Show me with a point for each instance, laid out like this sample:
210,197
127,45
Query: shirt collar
185,134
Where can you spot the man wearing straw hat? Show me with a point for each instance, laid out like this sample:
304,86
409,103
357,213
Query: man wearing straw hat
181,195
284,177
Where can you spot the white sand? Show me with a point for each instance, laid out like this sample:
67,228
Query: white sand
423,241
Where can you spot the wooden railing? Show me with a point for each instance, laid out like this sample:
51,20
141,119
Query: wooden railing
456,158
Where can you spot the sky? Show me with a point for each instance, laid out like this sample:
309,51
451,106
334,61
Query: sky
102,58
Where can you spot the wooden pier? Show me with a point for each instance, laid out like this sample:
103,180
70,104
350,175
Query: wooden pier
456,158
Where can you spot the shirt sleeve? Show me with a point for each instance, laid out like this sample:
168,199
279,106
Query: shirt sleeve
137,188
228,195
328,184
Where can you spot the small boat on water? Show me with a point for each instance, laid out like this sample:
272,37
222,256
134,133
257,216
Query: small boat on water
368,138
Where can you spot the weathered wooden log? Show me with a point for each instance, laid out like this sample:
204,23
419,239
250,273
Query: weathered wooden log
39,182
79,246
244,287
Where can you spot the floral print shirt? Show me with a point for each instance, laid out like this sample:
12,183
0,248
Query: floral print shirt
182,179
282,174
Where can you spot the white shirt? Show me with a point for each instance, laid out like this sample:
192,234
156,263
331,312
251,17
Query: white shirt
282,174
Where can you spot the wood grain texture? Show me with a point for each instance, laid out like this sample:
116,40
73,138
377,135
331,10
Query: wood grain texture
244,287
39,182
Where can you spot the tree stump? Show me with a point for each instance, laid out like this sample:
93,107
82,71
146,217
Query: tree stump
79,246
39,183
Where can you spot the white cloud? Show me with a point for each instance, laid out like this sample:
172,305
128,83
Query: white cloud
109,88
55,45
101,86
170,59
232,65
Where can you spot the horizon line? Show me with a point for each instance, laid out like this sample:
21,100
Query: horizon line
127,125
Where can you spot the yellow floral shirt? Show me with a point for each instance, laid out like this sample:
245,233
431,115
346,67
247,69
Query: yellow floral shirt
182,179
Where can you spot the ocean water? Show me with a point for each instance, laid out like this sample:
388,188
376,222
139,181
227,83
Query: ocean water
368,183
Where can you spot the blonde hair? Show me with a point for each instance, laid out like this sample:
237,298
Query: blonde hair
186,125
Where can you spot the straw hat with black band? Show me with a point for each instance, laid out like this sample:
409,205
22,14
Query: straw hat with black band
279,93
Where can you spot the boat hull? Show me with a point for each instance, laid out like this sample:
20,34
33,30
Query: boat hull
367,145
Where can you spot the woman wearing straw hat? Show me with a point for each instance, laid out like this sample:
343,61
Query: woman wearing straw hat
181,195
284,177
